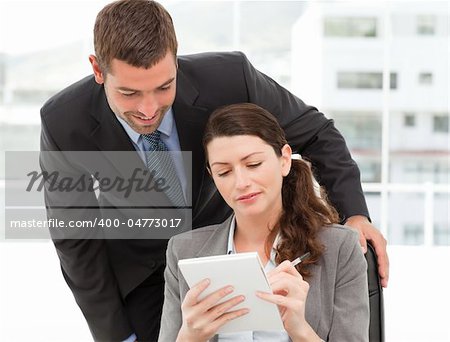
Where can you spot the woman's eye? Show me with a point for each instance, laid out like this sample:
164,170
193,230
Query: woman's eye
253,165
222,173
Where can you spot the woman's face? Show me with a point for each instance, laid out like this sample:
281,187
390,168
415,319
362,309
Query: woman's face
248,173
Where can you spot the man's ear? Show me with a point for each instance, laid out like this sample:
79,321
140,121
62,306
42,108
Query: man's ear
98,74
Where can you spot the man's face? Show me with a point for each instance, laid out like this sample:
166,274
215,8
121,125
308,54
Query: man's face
139,96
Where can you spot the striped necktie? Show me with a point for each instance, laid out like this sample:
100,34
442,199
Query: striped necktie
161,162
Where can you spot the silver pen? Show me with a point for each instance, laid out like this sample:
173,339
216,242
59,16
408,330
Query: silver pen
298,260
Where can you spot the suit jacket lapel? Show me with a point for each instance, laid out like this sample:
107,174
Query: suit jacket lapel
190,121
107,131
217,242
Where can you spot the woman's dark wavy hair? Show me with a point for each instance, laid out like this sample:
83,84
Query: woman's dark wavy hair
305,212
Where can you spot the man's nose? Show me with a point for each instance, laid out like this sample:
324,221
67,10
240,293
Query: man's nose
148,105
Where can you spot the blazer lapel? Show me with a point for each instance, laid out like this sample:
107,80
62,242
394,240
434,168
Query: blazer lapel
191,121
107,131
313,302
217,242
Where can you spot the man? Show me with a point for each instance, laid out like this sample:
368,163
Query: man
139,87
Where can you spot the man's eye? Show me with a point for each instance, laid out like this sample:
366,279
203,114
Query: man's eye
127,94
165,88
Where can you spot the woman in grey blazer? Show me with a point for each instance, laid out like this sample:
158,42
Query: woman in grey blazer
281,214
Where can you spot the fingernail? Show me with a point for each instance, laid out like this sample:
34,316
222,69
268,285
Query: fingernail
364,249
229,289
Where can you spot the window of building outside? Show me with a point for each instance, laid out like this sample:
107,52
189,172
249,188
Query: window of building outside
425,78
362,130
409,120
2,76
412,234
370,170
426,24
441,172
364,80
441,234
350,27
421,171
441,123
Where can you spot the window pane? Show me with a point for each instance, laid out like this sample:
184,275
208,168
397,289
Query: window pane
406,225
425,78
426,24
409,120
440,123
364,80
373,200
441,219
350,27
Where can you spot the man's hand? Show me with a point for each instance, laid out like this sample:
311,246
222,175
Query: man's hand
367,231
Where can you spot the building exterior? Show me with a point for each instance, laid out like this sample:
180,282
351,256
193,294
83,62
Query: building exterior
343,53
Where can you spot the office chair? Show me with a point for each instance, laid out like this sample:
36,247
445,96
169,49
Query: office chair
376,327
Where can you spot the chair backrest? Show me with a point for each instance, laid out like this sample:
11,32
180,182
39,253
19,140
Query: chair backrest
376,328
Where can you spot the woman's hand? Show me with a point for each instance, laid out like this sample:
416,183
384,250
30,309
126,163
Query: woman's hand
289,294
202,318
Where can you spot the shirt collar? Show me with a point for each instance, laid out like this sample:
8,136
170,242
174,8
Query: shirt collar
165,126
230,243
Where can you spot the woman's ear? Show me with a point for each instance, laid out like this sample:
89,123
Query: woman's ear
286,161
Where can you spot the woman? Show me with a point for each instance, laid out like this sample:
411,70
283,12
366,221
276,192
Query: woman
278,213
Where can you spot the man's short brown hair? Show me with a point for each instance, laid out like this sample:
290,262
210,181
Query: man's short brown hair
138,32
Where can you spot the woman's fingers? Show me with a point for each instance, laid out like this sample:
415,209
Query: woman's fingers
280,300
191,297
222,308
286,267
228,316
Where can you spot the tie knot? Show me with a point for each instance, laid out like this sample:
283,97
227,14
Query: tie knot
152,140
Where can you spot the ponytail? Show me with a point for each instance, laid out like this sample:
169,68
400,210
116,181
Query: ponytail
305,211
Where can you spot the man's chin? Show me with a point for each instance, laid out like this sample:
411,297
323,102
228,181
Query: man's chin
144,130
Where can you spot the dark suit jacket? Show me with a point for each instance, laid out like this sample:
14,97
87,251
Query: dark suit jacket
101,273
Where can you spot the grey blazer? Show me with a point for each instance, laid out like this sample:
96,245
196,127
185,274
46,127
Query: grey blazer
337,306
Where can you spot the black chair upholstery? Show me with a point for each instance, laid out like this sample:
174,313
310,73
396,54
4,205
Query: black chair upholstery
376,328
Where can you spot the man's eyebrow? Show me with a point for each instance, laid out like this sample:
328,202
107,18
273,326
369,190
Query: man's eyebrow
246,157
167,82
137,91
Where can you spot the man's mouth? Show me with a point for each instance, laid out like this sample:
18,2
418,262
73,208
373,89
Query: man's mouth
146,118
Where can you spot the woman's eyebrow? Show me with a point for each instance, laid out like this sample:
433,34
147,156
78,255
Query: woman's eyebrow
246,157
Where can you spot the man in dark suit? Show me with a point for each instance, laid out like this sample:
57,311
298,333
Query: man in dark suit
140,86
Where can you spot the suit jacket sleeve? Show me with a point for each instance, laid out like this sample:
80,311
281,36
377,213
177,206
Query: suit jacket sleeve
84,262
315,137
171,320
350,321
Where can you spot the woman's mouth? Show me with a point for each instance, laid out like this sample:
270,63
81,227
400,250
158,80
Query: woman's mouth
248,197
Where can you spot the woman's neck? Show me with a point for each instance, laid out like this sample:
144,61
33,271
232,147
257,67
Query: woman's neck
251,233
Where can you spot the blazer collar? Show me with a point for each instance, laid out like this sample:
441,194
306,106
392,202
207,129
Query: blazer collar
107,132
216,244
190,120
